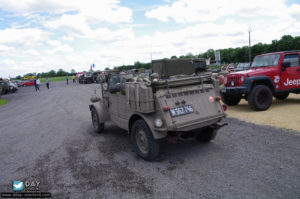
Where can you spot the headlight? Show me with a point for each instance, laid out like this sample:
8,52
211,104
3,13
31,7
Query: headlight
158,123
242,78
232,83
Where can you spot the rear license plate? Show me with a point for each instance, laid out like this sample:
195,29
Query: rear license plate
182,110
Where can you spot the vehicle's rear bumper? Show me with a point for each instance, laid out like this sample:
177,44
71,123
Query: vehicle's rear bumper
195,124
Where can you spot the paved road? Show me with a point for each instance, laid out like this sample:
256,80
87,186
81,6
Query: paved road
48,136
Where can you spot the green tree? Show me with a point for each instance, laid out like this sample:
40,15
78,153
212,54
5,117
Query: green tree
52,73
61,72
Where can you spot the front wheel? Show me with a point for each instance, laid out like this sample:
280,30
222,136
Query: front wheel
231,100
98,127
144,143
260,98
207,134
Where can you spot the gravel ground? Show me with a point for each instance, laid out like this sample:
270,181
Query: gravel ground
48,136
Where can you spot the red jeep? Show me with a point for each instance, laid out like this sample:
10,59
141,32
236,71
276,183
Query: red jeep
274,74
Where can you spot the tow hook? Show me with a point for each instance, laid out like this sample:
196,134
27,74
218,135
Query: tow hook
218,126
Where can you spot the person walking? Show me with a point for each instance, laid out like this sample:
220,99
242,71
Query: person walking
47,82
38,84
67,79
74,79
35,85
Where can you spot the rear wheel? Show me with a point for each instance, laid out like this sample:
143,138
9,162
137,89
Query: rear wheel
98,127
231,100
207,134
281,96
260,98
144,143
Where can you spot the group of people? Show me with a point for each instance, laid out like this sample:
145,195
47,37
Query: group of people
37,82
73,78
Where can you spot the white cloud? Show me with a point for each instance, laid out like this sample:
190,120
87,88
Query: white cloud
27,36
61,49
54,42
32,52
95,11
182,11
4,48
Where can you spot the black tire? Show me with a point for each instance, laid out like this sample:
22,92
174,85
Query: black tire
144,143
206,134
231,100
98,127
281,96
260,98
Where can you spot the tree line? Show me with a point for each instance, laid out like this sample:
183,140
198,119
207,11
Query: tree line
51,73
235,55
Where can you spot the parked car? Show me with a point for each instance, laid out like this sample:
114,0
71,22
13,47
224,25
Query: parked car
13,87
230,67
242,67
29,82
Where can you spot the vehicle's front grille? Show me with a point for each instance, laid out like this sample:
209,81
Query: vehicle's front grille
235,79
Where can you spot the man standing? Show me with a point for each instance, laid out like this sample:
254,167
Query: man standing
47,82
38,84
74,79
67,79
35,84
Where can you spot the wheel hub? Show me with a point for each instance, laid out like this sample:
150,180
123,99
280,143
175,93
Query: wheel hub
142,141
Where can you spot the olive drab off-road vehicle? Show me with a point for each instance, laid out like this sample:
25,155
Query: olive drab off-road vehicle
168,104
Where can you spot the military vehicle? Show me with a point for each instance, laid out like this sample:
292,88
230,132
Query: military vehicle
86,78
4,86
95,74
173,104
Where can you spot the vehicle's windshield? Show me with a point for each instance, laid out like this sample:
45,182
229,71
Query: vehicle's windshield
266,60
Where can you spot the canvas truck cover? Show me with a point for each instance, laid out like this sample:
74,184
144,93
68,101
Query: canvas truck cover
170,67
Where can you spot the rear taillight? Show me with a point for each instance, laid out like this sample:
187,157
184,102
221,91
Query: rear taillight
166,108
224,107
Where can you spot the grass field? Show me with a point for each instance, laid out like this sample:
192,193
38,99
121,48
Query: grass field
55,79
2,102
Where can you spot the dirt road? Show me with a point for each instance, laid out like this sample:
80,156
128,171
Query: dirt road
48,136
282,113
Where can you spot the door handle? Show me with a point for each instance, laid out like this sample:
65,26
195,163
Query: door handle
298,69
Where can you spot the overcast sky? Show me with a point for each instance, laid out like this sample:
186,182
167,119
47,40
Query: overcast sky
40,35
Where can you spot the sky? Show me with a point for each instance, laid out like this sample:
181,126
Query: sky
41,35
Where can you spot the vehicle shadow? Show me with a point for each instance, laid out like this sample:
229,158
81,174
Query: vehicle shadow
117,140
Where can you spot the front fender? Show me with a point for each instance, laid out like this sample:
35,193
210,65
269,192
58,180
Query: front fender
251,81
102,111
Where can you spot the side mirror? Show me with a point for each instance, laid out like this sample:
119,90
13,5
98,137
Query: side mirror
285,65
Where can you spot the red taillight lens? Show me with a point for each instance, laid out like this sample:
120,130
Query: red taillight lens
224,107
218,98
166,108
